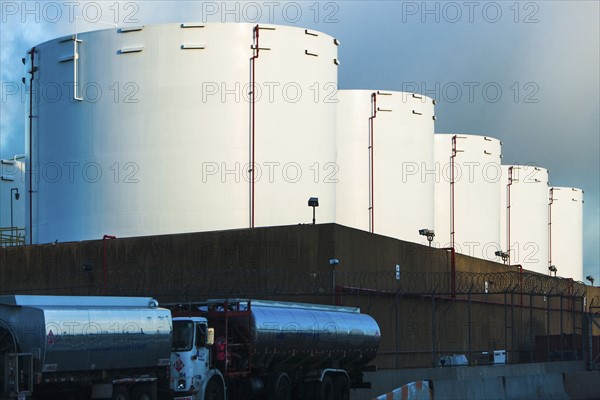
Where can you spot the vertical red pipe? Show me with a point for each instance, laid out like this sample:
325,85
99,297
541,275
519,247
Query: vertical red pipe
372,155
255,51
508,186
32,53
452,228
550,227
452,157
520,281
104,271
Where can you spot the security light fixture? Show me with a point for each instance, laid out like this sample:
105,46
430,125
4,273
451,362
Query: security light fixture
313,202
552,268
591,279
429,233
502,254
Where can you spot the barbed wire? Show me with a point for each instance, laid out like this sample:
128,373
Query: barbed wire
273,282
280,282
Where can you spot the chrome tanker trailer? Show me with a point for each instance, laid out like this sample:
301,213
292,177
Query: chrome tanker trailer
250,349
67,347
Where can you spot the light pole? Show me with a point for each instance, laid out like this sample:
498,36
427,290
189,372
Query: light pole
333,262
313,202
17,195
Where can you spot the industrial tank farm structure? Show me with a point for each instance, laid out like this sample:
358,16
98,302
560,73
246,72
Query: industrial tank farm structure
161,125
385,147
467,201
566,231
192,127
524,211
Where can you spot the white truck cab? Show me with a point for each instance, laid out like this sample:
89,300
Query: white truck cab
192,377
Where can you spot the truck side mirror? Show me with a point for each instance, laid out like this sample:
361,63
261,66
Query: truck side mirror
210,337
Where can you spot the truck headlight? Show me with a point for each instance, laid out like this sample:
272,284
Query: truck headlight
181,384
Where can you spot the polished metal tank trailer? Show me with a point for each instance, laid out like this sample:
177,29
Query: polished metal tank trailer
104,347
130,348
274,350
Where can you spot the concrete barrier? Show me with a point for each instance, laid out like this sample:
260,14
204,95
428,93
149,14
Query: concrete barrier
583,385
531,387
419,390
469,389
491,380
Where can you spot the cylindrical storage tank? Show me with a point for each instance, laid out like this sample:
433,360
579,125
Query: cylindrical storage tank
385,159
524,216
566,231
155,129
467,194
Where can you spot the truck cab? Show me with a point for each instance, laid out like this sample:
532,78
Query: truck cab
192,377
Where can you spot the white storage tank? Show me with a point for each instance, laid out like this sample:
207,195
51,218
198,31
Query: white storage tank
468,202
566,231
385,159
153,130
524,220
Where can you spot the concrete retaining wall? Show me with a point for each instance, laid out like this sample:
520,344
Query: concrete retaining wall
529,387
584,385
554,381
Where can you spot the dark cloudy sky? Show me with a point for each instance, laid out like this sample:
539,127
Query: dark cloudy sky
524,72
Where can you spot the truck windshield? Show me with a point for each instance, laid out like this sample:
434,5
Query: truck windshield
183,335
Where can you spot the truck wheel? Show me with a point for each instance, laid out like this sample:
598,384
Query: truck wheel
308,390
326,390
7,346
214,390
120,393
342,387
281,388
143,392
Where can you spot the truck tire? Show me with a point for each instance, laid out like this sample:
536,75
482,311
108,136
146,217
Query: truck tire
143,392
7,345
281,388
325,390
214,390
341,387
120,393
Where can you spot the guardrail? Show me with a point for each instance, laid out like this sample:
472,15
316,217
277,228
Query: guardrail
12,236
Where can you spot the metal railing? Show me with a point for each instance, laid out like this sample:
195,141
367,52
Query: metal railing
12,236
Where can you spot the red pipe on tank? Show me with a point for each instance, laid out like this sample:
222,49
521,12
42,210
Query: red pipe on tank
104,260
372,163
551,201
255,54
31,78
452,227
510,182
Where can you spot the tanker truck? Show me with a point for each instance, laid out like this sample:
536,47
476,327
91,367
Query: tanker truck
126,348
72,347
251,349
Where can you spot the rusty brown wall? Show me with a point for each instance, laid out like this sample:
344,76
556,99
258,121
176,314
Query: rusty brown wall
291,263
